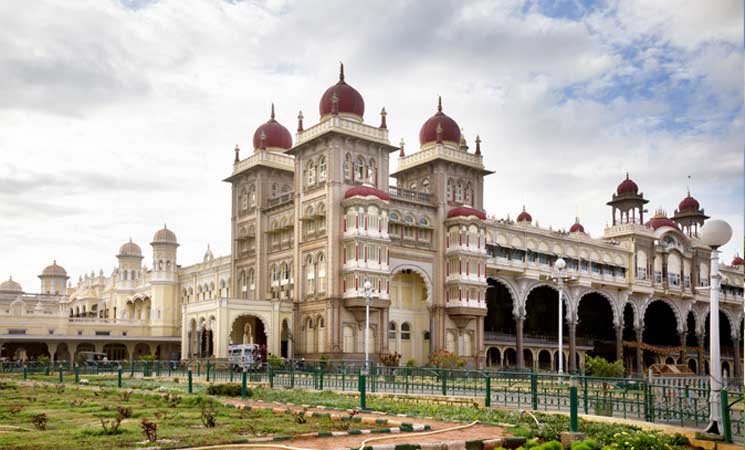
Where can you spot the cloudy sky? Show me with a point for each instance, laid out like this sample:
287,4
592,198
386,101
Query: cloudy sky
119,116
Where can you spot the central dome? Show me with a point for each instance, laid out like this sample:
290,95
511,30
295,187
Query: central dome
689,204
627,186
272,135
439,127
11,287
342,98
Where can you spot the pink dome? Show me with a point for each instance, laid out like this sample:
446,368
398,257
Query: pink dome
689,204
661,221
627,186
366,190
272,134
348,100
577,228
524,217
737,261
465,211
441,124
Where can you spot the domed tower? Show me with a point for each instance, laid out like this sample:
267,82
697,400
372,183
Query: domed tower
10,287
164,255
577,227
165,313
628,203
54,280
343,100
129,269
690,215
272,135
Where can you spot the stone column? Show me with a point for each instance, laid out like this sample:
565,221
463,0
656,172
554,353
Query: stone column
619,343
700,340
639,360
519,321
52,348
683,349
738,363
572,347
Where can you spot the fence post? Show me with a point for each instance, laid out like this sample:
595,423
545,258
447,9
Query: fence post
320,378
726,424
487,400
584,393
60,375
573,405
77,373
292,377
207,371
25,372
534,389
157,368
271,377
46,369
362,384
444,377
244,389
119,376
131,368
189,378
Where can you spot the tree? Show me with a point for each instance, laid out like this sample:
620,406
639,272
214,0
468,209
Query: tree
601,368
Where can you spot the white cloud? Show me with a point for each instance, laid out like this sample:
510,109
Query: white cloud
117,120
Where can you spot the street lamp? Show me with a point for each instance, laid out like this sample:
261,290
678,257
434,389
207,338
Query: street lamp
715,233
560,265
368,293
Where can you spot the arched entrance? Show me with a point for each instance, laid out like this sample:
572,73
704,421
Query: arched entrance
285,340
141,349
409,314
510,358
83,347
248,329
116,352
499,320
493,358
660,330
595,324
629,335
62,354
726,345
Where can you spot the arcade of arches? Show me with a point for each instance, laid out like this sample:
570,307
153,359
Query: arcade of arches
58,351
529,340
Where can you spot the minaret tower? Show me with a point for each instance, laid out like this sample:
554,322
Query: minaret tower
628,203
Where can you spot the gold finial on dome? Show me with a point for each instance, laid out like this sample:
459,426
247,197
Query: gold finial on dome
271,116
439,103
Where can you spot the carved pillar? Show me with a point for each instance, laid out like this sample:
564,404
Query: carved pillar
683,349
738,363
700,340
519,321
572,346
619,342
384,331
52,348
639,359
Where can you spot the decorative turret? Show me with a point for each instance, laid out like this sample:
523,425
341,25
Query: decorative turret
54,279
524,217
440,128
628,203
577,227
690,215
342,99
164,254
272,135
10,287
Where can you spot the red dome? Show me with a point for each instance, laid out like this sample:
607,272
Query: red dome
738,261
689,204
366,190
465,211
348,100
524,216
577,228
441,124
657,222
627,186
272,134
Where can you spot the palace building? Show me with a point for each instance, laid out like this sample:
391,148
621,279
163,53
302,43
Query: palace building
316,217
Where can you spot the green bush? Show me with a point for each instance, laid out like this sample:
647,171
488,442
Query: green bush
588,444
275,362
227,390
411,363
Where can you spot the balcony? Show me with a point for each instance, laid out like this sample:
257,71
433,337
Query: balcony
408,194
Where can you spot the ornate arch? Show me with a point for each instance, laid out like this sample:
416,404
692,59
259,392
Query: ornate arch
422,273
676,311
617,316
265,320
570,313
513,290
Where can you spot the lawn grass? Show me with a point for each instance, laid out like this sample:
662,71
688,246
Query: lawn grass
74,416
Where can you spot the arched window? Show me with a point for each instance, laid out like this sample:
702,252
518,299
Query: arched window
412,185
322,169
275,190
450,191
251,283
321,212
244,199
310,275
321,266
373,172
275,274
252,196
310,174
348,169
469,195
425,185
405,331
392,330
360,171
459,193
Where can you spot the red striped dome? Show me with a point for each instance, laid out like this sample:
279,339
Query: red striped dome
272,134
465,211
577,228
737,261
440,125
524,216
689,204
659,221
627,186
366,190
342,98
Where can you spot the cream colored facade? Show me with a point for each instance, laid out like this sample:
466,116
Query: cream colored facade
310,223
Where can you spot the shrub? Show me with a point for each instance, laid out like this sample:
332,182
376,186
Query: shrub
227,390
124,411
275,362
40,421
147,357
111,426
208,414
446,360
125,395
150,430
600,367
44,359
587,444
390,359
411,363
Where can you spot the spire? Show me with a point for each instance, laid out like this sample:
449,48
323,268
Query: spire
341,72
272,115
237,153
300,121
382,118
401,153
439,104
478,145
627,174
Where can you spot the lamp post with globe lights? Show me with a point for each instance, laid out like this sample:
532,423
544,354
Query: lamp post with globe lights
714,234
560,277
368,293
